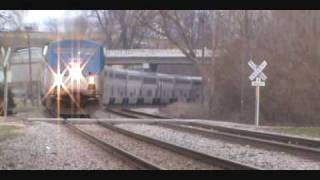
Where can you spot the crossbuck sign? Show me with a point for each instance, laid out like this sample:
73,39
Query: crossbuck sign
257,79
257,74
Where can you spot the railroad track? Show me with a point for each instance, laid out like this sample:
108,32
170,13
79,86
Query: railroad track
296,145
136,161
146,114
132,159
144,164
208,159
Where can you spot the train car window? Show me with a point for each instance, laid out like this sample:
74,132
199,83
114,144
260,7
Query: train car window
156,93
111,91
181,93
134,78
166,80
149,93
120,76
119,91
182,81
197,82
148,80
111,74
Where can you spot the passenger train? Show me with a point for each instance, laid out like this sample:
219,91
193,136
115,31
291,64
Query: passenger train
76,81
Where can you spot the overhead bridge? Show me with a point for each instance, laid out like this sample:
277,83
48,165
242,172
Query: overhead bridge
150,56
19,40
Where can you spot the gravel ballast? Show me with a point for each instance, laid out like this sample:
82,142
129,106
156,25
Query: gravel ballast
267,129
52,146
159,156
259,157
106,115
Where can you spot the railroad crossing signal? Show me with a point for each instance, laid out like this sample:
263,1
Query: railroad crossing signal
257,70
257,79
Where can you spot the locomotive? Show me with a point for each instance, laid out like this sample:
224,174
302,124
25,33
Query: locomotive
70,84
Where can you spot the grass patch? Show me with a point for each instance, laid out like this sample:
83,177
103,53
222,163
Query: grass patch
304,131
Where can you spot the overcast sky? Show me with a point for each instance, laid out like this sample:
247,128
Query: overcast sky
40,16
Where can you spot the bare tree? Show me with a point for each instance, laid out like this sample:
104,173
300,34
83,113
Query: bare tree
11,19
52,25
121,27
78,25
288,41
188,31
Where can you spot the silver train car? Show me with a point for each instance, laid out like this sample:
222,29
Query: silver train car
134,87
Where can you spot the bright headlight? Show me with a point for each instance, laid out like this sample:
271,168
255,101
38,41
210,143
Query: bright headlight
91,79
91,82
58,80
75,71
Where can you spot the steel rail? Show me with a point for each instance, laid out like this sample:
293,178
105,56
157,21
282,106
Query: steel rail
125,155
237,137
146,114
212,160
309,143
122,113
282,141
262,135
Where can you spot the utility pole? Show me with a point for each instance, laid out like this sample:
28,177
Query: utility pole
203,44
5,64
247,54
27,28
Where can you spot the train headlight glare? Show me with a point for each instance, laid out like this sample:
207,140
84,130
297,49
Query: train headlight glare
58,80
91,79
91,82
75,71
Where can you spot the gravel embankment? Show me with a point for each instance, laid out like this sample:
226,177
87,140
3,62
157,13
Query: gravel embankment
49,146
157,155
245,154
